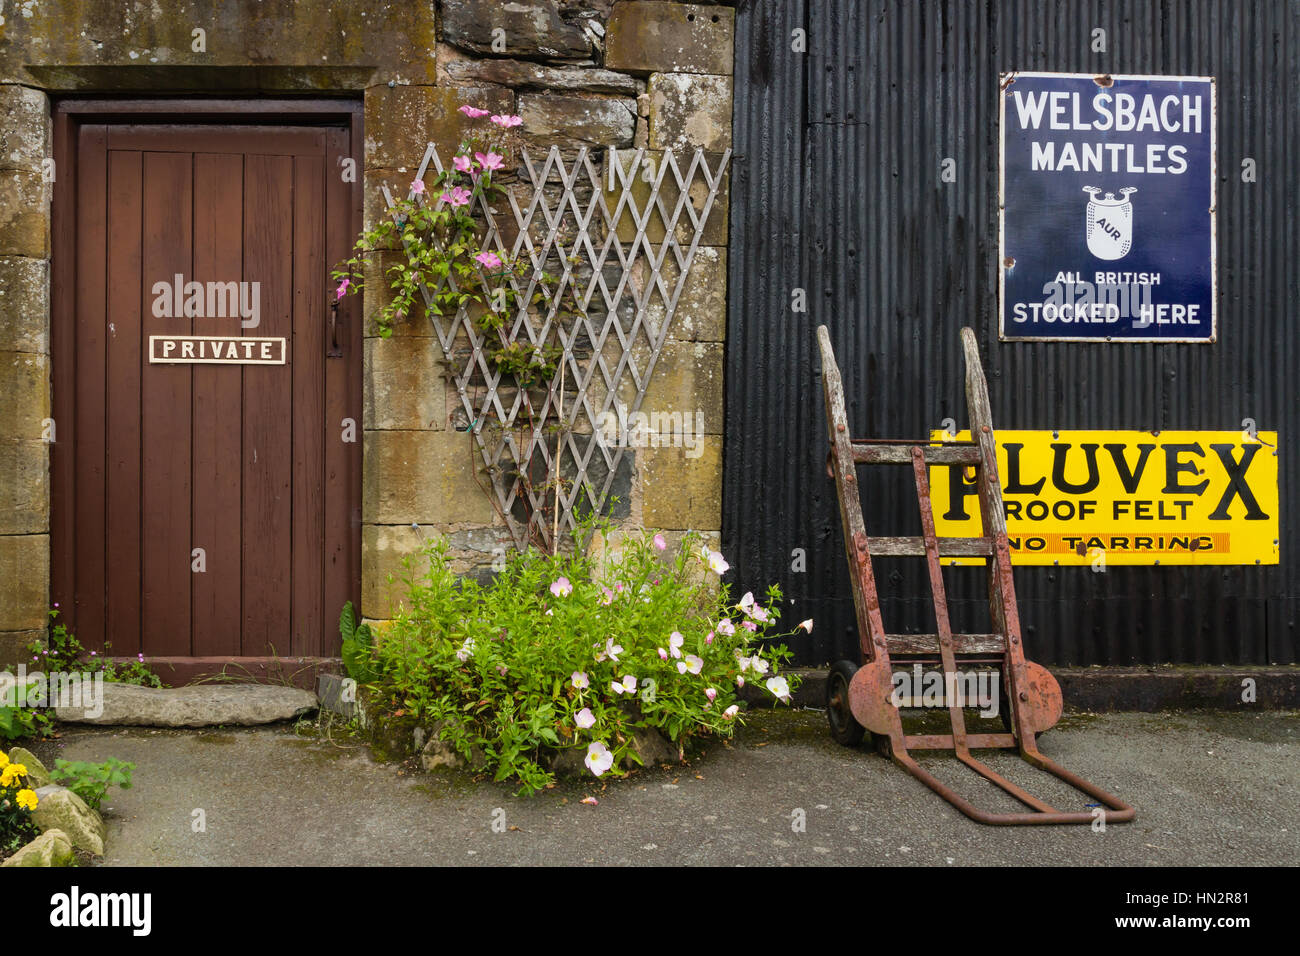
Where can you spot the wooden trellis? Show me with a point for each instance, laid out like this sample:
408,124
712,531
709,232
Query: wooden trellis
565,227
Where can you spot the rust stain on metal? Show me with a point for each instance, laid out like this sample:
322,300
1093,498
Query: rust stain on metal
1009,262
1105,80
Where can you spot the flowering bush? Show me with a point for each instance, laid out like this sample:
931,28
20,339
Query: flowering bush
560,653
17,801
62,652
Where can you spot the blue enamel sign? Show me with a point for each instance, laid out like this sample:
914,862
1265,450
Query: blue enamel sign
1107,208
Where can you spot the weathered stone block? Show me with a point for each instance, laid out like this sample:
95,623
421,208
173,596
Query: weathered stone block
24,581
51,848
405,383
383,550
684,397
423,476
701,314
25,304
518,74
402,120
24,214
714,232
24,394
576,121
529,28
24,128
24,487
649,36
681,493
689,111
14,644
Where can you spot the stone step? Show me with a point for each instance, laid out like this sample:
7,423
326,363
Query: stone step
201,705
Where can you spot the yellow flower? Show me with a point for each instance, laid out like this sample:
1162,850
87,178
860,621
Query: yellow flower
26,799
4,760
12,773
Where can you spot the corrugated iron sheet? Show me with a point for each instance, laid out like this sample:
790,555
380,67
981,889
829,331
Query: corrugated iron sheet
836,191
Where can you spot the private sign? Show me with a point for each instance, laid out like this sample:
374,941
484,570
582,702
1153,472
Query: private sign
1106,226
1124,497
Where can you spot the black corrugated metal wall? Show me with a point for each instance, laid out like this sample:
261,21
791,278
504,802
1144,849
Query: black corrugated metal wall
836,190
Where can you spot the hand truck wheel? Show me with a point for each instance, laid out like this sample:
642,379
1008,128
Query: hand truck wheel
844,728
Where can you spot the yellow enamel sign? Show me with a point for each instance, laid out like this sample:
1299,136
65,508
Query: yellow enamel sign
1124,497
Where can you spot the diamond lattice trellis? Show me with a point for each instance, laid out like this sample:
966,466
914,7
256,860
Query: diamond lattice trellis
626,291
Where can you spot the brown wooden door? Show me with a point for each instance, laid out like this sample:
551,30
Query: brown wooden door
209,509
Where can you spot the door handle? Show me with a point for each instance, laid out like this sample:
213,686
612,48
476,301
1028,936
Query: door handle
335,350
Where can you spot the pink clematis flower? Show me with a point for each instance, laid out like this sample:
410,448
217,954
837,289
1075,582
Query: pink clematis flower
584,718
417,186
473,112
458,196
462,163
489,260
491,161
561,587
342,290
507,121
598,759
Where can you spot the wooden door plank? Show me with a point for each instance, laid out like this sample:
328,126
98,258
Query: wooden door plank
307,366
342,402
125,307
218,408
166,394
267,440
89,428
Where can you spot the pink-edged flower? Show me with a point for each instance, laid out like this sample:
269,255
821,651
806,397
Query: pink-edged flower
726,628
561,587
456,197
779,688
579,680
507,121
760,666
489,260
613,650
663,655
598,759
717,563
711,693
502,669
806,625
589,801
660,542
606,596
691,664
708,638
731,711
342,290
740,681
675,641
473,112
749,625
747,602
626,686
584,718
490,161
466,650
417,186
461,163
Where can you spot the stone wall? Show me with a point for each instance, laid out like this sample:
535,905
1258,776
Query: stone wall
599,73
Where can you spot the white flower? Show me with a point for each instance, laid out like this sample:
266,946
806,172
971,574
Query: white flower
580,680
711,693
584,718
726,627
731,711
779,688
740,681
718,563
613,650
466,650
806,625
759,614
663,654
675,644
598,758
747,602
692,665
759,665
626,686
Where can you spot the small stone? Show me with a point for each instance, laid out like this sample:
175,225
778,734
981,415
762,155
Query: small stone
58,808
203,705
518,74
37,775
51,848
528,28
650,36
576,121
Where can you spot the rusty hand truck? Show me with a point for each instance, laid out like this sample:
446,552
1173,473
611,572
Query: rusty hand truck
860,698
